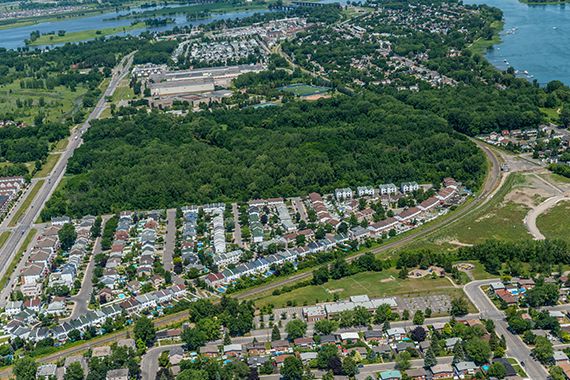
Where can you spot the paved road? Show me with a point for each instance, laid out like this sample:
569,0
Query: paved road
170,242
26,223
13,280
237,226
81,299
149,362
534,213
108,339
491,186
515,346
300,207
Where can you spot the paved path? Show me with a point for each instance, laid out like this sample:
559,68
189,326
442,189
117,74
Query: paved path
516,348
26,223
534,213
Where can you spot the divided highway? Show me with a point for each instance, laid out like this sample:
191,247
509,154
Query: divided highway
19,233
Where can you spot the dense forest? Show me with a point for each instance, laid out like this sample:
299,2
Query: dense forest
155,160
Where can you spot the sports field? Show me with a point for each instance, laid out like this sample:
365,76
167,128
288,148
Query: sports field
302,89
374,284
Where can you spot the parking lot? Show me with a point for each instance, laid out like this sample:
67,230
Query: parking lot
437,303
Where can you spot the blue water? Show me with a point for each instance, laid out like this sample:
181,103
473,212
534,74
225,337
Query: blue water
14,38
535,39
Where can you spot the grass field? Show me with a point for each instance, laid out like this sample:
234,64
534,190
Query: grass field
555,223
49,164
60,145
3,237
374,284
302,89
551,113
48,39
198,10
26,203
17,258
123,92
496,219
59,102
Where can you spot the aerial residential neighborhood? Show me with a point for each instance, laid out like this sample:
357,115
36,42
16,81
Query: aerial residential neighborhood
284,190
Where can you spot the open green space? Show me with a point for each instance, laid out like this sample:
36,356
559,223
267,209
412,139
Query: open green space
26,203
301,89
497,219
198,10
3,237
374,284
17,258
123,92
481,45
61,145
47,39
555,223
25,104
47,167
552,114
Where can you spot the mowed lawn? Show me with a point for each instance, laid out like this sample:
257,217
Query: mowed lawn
555,223
302,89
374,284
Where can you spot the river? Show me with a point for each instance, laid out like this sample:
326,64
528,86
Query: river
535,39
14,38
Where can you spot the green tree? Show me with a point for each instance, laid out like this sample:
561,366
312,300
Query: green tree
325,326
478,350
543,350
193,338
458,353
361,316
325,353
25,368
145,331
418,318
497,370
295,329
565,116
349,367
74,372
459,307
96,228
275,333
430,359
403,360
292,369
383,313
67,236
556,373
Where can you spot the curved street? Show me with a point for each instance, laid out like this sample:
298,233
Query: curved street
534,213
516,348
